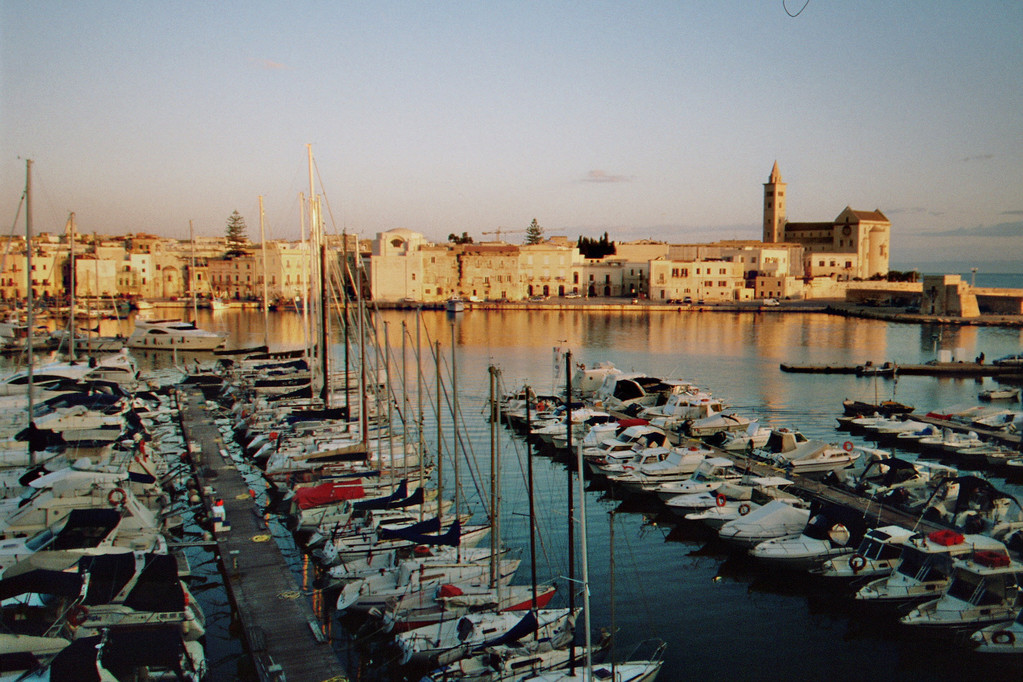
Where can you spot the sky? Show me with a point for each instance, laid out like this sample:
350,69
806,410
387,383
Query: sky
652,119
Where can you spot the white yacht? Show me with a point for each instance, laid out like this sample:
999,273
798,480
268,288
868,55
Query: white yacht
173,335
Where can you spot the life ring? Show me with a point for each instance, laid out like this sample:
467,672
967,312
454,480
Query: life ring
116,497
421,550
848,446
743,509
628,468
1003,637
857,563
77,615
721,500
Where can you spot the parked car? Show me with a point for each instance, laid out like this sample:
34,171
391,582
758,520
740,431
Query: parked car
771,301
1015,360
688,300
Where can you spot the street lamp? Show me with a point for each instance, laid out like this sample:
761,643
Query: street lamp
973,277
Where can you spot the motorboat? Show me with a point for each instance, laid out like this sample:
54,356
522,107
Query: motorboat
755,436
679,464
119,368
587,380
1000,638
925,567
715,424
776,519
876,556
831,532
732,500
710,475
173,335
455,304
985,590
1006,393
796,453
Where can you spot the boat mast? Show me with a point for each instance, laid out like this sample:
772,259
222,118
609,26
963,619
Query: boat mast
28,292
266,303
588,675
191,275
71,303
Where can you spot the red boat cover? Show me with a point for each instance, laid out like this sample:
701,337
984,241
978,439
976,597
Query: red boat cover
946,538
449,591
327,493
626,423
991,558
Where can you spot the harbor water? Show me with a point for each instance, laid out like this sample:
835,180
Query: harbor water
721,615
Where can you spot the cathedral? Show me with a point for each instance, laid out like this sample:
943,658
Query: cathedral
855,245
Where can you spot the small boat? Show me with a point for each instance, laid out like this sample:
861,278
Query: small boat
869,369
877,555
984,591
831,532
173,335
886,407
925,567
1002,393
1001,638
455,304
776,519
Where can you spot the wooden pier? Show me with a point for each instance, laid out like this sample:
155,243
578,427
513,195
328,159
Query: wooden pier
934,369
281,632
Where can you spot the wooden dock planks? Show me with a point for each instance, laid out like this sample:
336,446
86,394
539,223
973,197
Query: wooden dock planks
281,631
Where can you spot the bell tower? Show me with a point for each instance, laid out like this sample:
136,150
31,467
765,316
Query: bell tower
774,207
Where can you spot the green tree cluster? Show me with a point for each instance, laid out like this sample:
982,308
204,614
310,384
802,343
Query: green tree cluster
596,248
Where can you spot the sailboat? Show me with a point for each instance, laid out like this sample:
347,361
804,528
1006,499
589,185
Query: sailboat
631,671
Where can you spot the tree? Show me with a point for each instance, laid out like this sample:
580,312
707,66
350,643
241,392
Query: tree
236,229
464,239
534,233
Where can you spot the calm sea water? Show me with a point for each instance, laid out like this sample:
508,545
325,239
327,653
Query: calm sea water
721,615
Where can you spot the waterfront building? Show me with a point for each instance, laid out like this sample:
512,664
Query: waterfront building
855,245
716,281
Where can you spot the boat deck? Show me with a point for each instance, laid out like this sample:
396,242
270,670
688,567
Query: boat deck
282,634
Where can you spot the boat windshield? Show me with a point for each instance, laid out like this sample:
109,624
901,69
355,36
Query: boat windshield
39,540
975,589
923,566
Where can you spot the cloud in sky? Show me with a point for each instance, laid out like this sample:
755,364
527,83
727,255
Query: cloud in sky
1012,213
979,157
1013,229
604,176
918,210
268,65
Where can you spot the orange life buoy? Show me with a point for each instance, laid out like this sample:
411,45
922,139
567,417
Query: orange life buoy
744,509
721,500
1003,637
857,563
848,446
116,497
77,615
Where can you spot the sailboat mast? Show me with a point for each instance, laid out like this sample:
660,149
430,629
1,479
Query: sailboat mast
28,293
191,275
586,564
569,497
71,282
532,509
454,431
493,475
266,302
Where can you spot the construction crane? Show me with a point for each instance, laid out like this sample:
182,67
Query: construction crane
498,232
